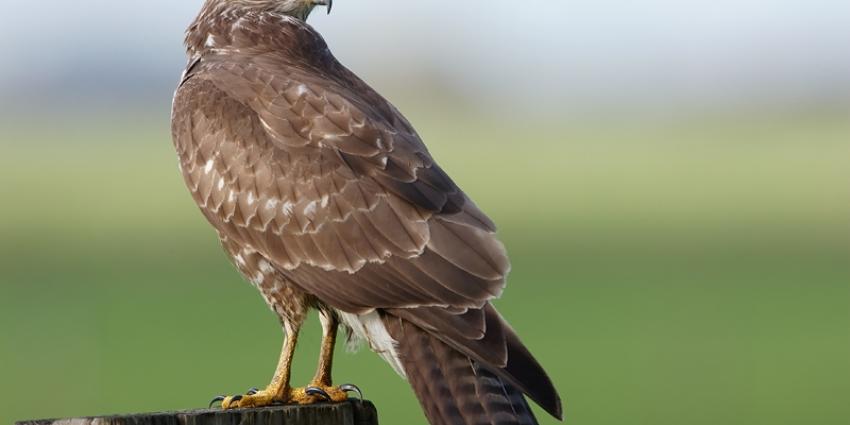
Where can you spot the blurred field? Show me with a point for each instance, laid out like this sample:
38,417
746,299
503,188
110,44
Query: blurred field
690,273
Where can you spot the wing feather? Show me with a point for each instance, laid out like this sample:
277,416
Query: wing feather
299,168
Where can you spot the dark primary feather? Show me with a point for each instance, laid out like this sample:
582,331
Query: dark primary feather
289,153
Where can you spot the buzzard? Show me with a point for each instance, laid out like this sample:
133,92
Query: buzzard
325,198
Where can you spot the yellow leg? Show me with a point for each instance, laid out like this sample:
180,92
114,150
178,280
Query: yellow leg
278,390
326,356
321,388
322,384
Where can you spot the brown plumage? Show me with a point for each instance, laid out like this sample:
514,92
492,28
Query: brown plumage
325,197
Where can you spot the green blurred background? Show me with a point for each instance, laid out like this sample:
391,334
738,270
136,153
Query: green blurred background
680,247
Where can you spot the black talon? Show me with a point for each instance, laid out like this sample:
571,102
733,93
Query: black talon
352,388
236,398
217,399
253,391
317,391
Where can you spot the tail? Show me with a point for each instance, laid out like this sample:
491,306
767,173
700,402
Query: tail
455,389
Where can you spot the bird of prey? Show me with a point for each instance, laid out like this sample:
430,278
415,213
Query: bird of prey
325,198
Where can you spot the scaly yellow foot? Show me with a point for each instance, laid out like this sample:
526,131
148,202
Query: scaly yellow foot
331,393
307,395
253,398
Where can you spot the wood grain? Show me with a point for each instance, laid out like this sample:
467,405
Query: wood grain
354,412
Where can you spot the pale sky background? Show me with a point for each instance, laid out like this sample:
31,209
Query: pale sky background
561,52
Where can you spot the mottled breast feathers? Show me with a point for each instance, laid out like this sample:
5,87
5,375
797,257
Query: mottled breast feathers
288,152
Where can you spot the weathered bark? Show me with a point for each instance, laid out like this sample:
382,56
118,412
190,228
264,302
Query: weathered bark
353,412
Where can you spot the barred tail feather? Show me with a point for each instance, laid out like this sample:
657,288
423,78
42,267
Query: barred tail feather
452,388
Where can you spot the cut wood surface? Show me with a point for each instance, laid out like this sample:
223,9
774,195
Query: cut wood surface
352,412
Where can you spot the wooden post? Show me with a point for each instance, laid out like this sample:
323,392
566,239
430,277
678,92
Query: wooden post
352,412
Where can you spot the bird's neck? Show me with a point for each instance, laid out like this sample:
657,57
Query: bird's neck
219,22
212,21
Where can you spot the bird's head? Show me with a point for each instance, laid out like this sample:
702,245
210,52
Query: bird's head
300,9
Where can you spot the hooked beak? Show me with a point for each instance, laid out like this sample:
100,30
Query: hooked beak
328,3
